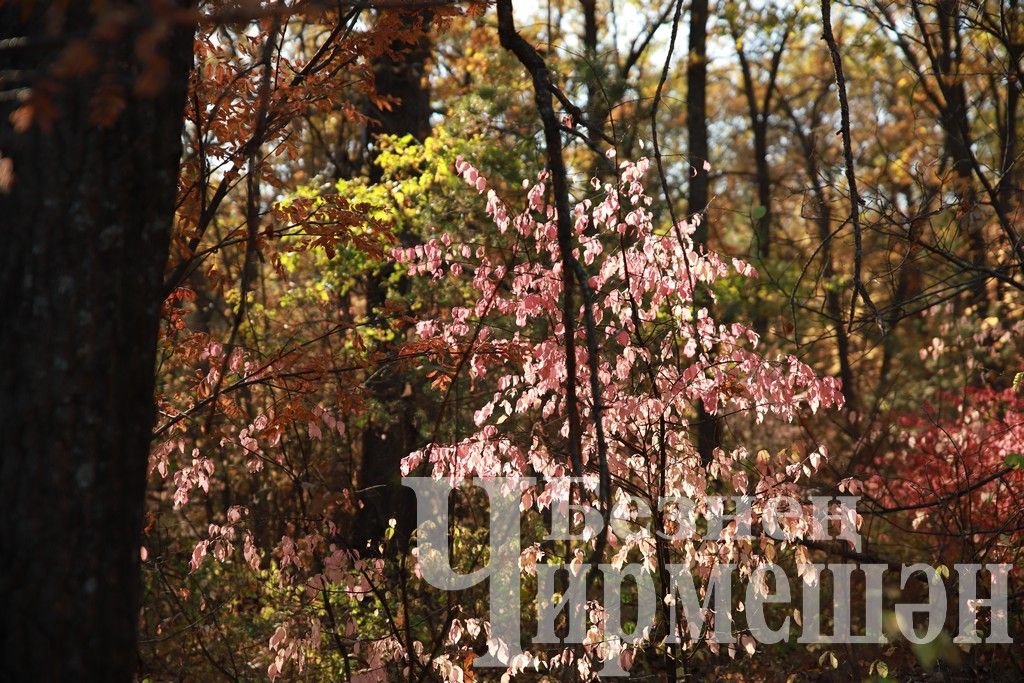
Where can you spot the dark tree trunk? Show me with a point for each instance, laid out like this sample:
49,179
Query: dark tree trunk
697,113
386,442
593,71
402,77
86,226
1009,169
764,189
708,427
956,124
759,109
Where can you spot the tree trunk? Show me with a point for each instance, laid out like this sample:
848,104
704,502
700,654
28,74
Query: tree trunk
708,427
593,72
86,226
1009,168
697,113
386,443
956,124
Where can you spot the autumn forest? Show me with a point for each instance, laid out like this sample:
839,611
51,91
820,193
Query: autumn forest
512,340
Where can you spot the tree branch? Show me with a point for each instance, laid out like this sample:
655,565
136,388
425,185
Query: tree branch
851,178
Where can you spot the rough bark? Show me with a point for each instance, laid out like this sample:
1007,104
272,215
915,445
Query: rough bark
86,228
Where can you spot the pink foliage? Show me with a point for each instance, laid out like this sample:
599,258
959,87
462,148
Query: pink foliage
958,467
646,313
661,350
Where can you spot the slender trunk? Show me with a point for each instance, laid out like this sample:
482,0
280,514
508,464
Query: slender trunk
758,116
764,190
907,286
823,214
956,124
596,108
697,114
1009,172
708,425
833,302
86,227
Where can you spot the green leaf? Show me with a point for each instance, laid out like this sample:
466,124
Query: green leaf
883,669
1017,380
1015,460
760,212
